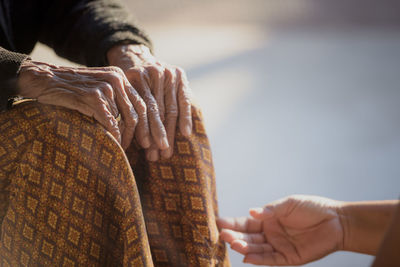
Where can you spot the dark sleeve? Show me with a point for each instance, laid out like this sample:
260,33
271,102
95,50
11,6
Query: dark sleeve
83,31
10,63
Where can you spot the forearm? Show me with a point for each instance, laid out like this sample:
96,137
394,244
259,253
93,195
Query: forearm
364,224
388,254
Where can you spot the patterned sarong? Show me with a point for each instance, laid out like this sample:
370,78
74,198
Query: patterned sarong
70,196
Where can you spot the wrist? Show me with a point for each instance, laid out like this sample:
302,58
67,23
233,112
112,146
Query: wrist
364,224
29,75
128,55
344,217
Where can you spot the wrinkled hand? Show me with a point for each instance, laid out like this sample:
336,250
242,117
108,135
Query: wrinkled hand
101,93
290,231
165,91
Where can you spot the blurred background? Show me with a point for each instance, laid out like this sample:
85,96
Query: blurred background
299,96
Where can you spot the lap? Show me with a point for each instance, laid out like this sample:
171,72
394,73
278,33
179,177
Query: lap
72,195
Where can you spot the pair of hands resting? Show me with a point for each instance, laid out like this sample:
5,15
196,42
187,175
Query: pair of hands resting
150,96
300,229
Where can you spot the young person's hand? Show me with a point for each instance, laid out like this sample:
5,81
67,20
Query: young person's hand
290,231
300,229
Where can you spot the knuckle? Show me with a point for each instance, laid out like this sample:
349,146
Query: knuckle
107,89
172,114
172,111
133,117
155,70
114,77
186,101
180,71
152,108
136,70
141,107
95,94
168,75
148,98
290,200
114,69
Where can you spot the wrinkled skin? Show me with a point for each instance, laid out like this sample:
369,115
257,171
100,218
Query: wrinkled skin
291,231
147,95
101,93
164,89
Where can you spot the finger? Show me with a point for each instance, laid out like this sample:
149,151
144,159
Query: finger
185,106
276,209
266,258
244,247
261,213
156,126
171,112
128,113
152,153
104,117
156,83
230,235
143,130
157,131
241,224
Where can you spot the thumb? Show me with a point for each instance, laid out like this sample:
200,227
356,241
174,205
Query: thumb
261,213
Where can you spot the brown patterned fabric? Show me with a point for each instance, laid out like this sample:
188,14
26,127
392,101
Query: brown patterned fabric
70,196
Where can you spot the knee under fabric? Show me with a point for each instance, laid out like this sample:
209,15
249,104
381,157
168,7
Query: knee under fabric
71,196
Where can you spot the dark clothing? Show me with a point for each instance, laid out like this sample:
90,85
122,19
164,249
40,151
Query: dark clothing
79,30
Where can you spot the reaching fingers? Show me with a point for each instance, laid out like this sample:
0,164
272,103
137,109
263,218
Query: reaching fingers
265,258
244,247
241,224
275,210
171,111
261,213
230,236
185,106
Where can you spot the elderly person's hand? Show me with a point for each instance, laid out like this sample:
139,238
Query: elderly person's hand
165,91
101,93
291,231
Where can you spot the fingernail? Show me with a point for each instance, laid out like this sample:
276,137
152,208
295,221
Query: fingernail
164,143
257,210
167,153
187,130
153,155
146,142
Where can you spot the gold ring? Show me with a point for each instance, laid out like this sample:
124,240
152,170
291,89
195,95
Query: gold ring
118,118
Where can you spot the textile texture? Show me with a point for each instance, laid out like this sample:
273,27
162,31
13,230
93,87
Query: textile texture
70,196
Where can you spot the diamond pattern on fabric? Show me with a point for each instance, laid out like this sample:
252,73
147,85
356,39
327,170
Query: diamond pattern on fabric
76,202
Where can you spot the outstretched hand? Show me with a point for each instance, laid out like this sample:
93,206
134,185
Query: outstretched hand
291,231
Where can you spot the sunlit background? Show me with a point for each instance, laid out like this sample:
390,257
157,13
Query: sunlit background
298,96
